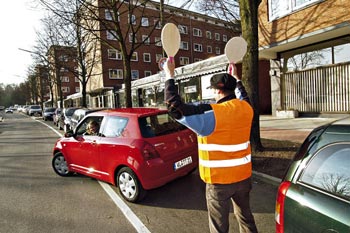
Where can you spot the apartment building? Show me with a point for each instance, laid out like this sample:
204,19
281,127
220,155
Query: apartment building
308,43
202,37
63,75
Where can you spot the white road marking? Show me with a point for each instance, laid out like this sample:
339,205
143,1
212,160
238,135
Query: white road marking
131,216
133,219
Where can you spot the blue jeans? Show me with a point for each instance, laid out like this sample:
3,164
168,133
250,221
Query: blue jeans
219,198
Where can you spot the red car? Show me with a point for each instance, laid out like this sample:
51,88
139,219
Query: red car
136,149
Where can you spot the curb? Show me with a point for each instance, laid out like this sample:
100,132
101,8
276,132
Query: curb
267,178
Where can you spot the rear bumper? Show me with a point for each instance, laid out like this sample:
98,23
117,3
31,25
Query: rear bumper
156,172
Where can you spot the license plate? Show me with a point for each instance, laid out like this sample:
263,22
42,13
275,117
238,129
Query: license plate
182,163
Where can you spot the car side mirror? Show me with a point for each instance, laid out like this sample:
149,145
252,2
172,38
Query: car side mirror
69,133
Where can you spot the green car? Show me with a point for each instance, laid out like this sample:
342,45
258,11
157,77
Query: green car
314,195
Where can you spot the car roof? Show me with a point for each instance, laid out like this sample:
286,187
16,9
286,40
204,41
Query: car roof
139,111
344,121
339,127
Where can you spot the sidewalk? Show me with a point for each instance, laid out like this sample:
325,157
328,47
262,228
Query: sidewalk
291,129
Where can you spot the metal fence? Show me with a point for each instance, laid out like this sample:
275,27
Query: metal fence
322,89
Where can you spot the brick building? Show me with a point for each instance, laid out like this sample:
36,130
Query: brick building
202,37
63,74
308,44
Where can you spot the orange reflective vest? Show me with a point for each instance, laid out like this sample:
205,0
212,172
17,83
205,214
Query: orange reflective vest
225,155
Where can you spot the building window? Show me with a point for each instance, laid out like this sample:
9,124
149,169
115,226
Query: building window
111,35
158,41
224,38
217,50
65,89
144,22
76,79
217,36
63,58
64,79
134,74
184,45
184,61
146,39
134,57
158,57
183,29
114,54
148,73
115,73
63,69
77,89
279,8
197,59
157,24
197,47
197,32
132,20
147,57
131,37
208,34
209,49
108,14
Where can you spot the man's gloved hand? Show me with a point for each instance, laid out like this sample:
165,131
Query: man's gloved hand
169,68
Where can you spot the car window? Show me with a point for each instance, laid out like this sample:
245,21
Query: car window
329,170
157,125
115,126
82,128
70,111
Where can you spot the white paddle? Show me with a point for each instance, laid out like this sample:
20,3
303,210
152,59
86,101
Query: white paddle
170,40
235,49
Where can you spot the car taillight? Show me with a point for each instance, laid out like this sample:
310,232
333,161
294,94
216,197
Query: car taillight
149,151
279,211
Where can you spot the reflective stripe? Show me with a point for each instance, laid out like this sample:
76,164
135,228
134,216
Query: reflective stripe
225,163
224,148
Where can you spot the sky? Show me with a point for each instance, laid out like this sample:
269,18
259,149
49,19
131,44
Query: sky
18,23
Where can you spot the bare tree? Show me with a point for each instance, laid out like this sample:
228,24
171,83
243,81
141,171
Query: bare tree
46,38
244,12
250,66
123,28
65,20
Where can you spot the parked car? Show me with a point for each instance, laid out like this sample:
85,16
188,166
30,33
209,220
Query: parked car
48,113
56,116
8,110
136,149
34,110
314,195
65,118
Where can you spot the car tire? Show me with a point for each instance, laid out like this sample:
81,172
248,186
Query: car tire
59,165
129,185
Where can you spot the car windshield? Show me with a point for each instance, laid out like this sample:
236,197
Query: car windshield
157,125
35,107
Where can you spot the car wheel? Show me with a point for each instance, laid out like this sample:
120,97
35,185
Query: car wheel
59,165
129,185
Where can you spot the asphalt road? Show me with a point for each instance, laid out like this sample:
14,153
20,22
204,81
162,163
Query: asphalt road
34,199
